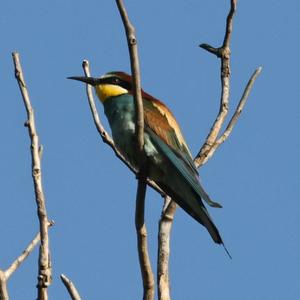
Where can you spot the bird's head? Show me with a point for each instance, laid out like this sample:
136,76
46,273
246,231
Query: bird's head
111,84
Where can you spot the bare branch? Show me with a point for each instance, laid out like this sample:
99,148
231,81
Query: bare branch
70,287
145,264
224,54
44,277
165,226
3,286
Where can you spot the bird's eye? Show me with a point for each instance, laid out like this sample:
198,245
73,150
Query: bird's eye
116,80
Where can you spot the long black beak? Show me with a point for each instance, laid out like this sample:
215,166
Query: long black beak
90,80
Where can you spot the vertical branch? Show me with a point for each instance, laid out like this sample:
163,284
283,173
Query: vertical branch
136,77
147,275
165,226
145,264
44,276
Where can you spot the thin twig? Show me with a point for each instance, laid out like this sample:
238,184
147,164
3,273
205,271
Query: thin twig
164,231
16,264
70,287
235,116
105,136
44,276
19,260
5,275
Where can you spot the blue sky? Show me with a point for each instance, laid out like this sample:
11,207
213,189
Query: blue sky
91,195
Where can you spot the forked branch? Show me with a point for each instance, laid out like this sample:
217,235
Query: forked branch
223,53
211,143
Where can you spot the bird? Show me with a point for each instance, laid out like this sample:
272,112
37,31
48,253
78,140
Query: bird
167,156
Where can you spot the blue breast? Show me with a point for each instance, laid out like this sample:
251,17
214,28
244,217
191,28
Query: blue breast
120,113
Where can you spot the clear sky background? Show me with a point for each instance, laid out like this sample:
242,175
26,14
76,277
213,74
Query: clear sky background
91,194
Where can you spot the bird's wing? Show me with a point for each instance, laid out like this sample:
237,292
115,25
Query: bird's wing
180,165
167,135
162,122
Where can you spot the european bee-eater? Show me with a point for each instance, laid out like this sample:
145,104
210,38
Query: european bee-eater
169,161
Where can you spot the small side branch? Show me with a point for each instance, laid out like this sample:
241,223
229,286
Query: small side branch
5,275
16,264
19,260
45,272
235,116
106,138
70,287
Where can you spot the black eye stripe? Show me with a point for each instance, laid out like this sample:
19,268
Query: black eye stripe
111,80
117,81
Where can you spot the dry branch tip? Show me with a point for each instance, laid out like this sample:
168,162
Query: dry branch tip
211,49
70,287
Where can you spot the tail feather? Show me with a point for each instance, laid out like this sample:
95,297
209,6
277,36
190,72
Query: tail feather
184,188
197,211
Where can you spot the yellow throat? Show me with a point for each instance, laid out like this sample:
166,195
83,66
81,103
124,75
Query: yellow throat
106,90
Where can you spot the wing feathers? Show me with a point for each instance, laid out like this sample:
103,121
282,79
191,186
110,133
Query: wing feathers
179,164
162,123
